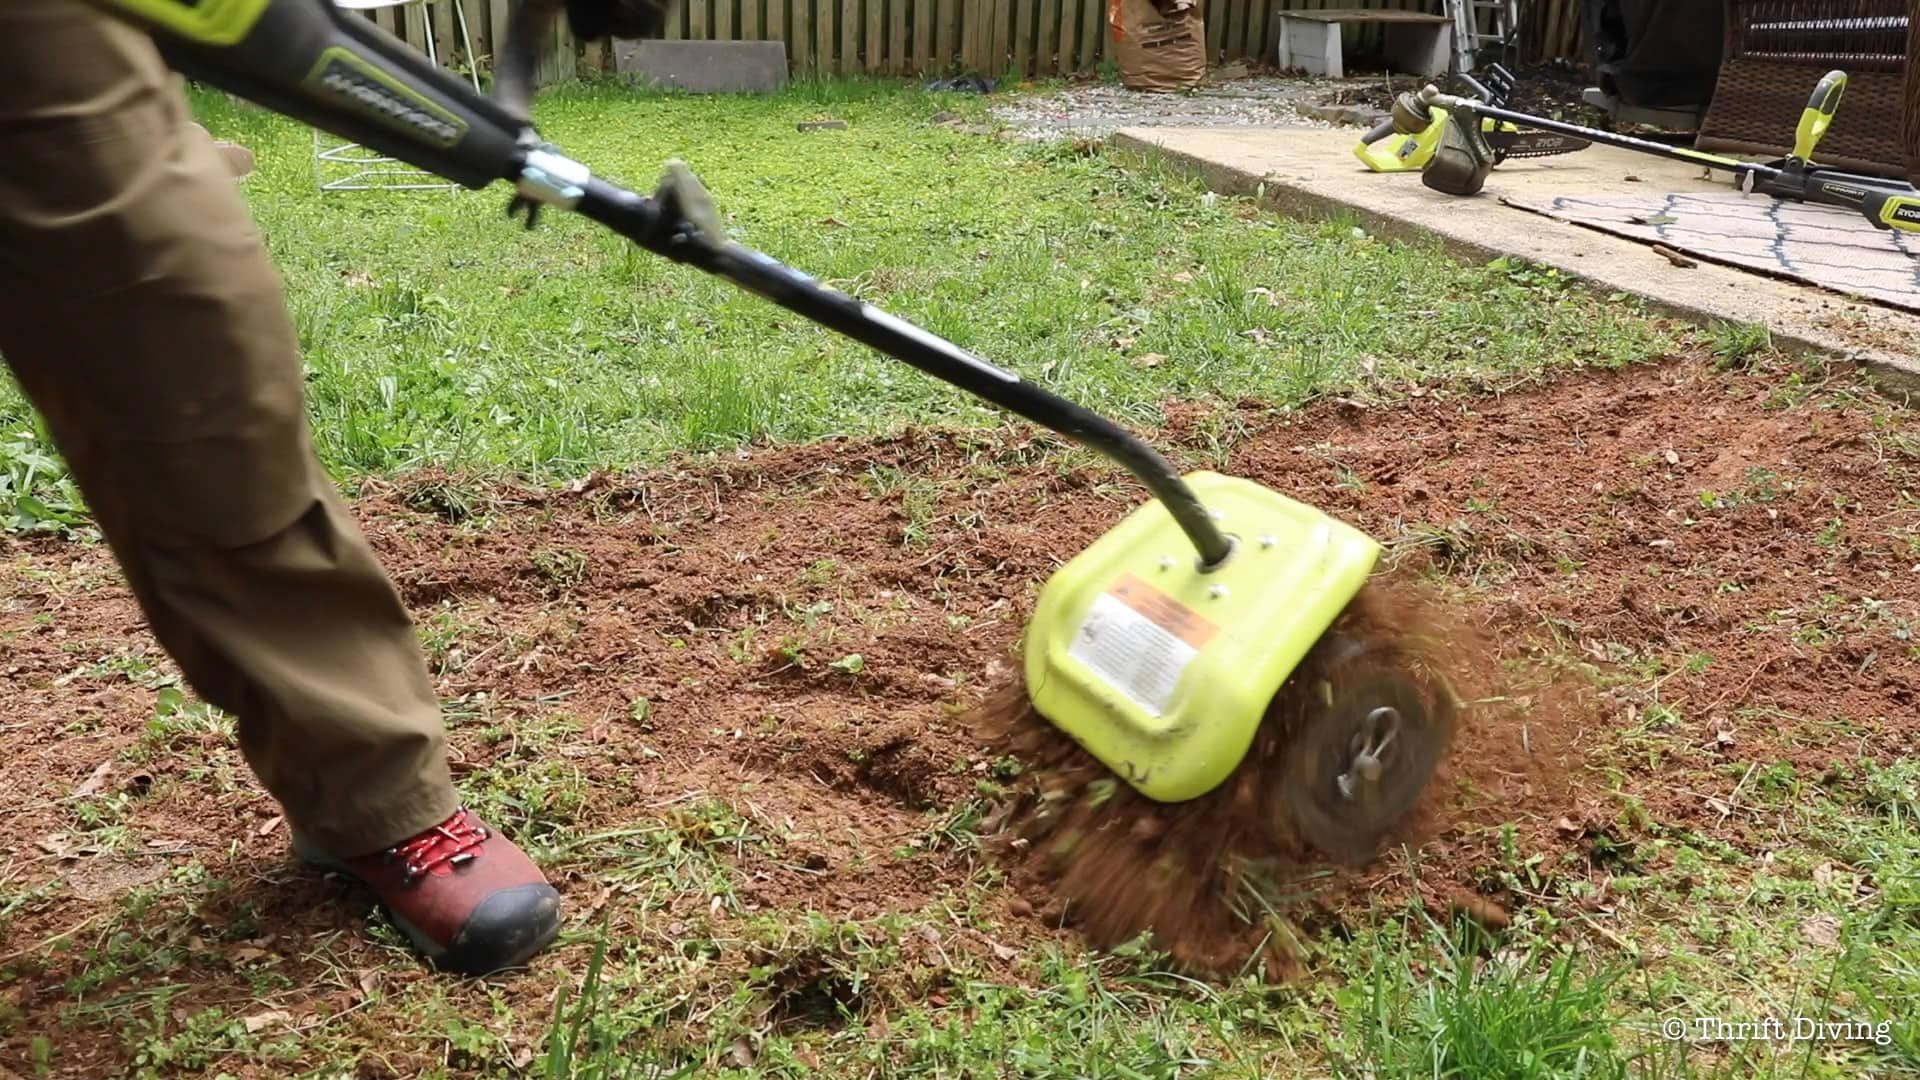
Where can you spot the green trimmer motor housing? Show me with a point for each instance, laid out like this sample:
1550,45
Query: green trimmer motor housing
1163,668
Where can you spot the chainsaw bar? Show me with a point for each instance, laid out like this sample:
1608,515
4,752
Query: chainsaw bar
1497,89
1526,144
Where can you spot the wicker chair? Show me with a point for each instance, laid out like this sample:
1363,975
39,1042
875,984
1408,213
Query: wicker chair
1912,131
1776,50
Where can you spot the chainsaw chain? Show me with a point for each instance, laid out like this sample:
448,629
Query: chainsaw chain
1508,148
1538,153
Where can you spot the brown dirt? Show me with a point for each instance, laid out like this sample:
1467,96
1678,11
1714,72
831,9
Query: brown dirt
1564,526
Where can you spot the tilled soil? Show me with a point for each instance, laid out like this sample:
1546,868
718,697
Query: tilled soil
1712,563
1216,881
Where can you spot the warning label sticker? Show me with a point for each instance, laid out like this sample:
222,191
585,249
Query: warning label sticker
1167,613
1140,641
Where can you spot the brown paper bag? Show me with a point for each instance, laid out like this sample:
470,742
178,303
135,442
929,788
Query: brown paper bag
1160,45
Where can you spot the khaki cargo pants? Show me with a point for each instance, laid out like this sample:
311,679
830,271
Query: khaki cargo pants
141,316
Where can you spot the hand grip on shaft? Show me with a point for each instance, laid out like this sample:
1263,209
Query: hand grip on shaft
1818,115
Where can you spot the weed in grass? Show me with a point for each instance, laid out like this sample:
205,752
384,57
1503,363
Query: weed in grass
1514,1015
161,1048
15,899
919,499
36,494
956,829
580,1043
452,501
561,568
819,572
178,722
1734,344
534,801
440,635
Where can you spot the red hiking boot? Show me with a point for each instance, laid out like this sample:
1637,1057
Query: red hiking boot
470,901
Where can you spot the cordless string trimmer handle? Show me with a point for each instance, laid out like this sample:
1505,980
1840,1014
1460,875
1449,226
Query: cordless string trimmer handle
336,71
1818,115
343,74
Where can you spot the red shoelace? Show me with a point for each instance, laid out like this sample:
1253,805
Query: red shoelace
450,843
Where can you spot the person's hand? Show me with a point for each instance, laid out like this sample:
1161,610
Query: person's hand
594,19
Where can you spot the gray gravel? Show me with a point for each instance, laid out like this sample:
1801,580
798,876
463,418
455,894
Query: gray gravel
1097,109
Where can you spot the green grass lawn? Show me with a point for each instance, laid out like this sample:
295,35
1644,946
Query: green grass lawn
437,333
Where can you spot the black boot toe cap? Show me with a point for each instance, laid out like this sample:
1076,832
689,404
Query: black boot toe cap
506,930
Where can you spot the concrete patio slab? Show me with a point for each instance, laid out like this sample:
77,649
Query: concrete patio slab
1301,170
705,67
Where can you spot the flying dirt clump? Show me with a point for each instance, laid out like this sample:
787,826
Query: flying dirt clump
1216,881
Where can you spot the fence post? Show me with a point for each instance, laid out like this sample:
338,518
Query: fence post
998,50
1022,43
899,60
847,60
802,33
946,35
1093,32
1063,61
1046,50
921,60
972,30
823,36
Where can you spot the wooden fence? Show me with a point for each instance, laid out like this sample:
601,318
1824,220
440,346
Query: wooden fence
486,23
1019,38
1550,30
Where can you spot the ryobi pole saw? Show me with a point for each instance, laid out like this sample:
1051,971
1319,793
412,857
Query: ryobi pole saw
1388,148
1462,159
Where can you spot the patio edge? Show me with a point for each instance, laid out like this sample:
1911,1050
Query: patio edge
1463,237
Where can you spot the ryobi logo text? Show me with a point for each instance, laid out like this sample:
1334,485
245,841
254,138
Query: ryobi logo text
353,82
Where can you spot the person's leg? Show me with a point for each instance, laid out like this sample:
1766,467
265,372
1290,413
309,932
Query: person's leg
141,316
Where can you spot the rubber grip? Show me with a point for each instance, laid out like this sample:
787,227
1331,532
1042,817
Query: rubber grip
1818,115
328,67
